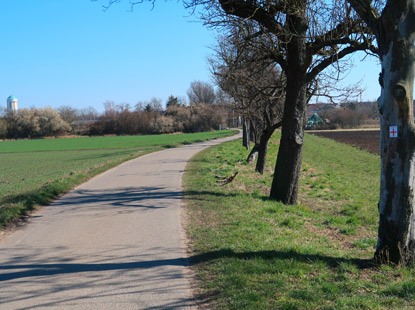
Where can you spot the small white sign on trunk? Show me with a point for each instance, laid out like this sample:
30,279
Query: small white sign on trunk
393,131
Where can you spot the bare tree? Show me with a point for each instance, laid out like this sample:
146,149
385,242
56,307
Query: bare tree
201,92
256,85
88,113
154,105
393,23
110,109
223,98
68,113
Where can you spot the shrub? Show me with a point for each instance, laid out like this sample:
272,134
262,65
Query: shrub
35,123
3,128
162,124
344,117
195,118
204,117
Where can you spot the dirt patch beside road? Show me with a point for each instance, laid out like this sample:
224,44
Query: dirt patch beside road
364,139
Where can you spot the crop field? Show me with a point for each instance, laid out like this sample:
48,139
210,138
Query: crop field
113,142
32,172
25,172
364,139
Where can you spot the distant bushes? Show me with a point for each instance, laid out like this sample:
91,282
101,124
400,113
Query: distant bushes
200,117
349,115
345,118
33,123
176,118
119,120
3,128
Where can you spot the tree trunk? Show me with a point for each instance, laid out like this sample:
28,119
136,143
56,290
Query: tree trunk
252,155
245,134
396,239
252,133
263,149
287,169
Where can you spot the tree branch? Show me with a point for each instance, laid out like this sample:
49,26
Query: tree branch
339,35
248,10
366,12
277,125
336,57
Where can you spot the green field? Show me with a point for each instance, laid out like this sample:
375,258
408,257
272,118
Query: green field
114,142
253,253
32,172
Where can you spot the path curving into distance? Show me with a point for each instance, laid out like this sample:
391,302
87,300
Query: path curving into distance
114,242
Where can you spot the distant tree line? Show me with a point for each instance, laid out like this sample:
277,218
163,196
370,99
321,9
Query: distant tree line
207,110
150,118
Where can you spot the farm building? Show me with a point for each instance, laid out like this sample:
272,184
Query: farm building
314,121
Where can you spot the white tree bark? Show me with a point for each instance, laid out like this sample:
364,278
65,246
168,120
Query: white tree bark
396,241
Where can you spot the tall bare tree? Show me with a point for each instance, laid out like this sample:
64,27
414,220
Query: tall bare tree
201,92
393,23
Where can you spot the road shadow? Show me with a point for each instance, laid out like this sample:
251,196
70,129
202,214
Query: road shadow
106,275
121,199
41,270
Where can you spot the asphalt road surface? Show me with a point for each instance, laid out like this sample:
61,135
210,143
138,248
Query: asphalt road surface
115,242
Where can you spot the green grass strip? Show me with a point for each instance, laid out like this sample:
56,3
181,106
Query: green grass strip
253,253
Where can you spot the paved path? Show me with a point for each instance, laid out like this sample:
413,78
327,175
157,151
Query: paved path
114,242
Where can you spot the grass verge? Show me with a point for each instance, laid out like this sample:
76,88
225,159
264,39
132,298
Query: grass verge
34,172
253,253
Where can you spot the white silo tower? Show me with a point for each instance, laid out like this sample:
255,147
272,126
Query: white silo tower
12,103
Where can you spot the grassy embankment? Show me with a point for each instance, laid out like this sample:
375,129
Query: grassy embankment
253,253
33,172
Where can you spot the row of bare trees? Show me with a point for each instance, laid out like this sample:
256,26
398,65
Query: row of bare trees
306,39
292,36
256,85
271,63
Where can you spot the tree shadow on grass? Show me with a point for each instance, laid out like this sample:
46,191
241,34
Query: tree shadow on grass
290,259
330,261
193,194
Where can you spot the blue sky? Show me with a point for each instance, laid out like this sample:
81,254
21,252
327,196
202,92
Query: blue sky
71,52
